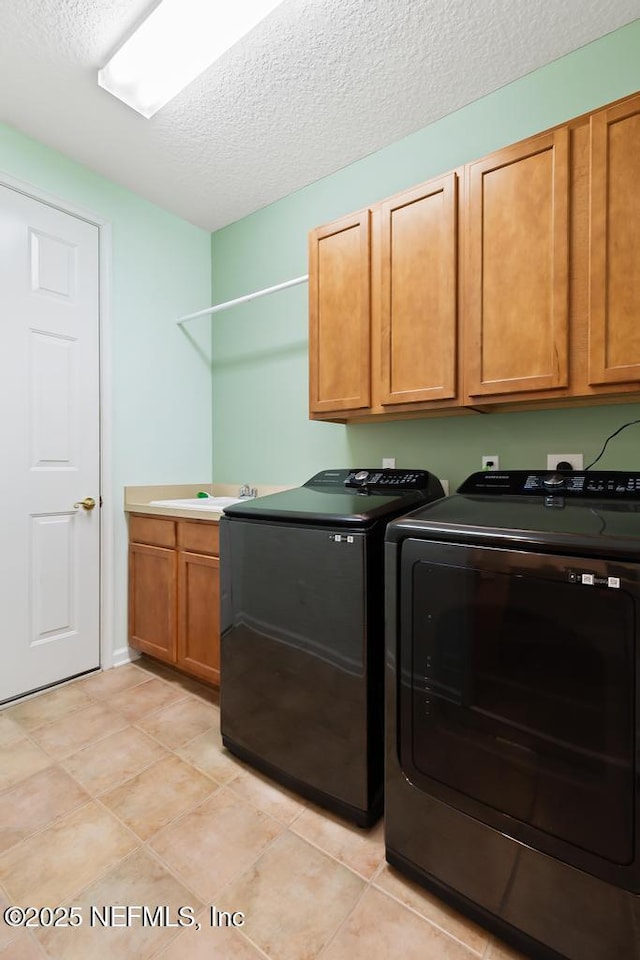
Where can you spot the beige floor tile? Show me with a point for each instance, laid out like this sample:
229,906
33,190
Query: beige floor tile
500,951
208,755
6,933
108,682
145,698
23,947
85,726
20,760
433,909
362,850
158,795
267,795
214,843
294,898
48,707
223,943
381,928
52,865
117,758
35,802
10,732
139,880
181,722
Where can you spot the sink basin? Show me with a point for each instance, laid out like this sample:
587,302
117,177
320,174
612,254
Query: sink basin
198,503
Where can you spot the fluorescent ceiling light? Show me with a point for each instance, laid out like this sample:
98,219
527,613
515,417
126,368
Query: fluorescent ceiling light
177,41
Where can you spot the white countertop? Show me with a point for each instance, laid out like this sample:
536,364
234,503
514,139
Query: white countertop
137,499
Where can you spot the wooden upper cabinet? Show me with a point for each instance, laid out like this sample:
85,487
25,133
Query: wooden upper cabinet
614,269
418,293
517,268
340,315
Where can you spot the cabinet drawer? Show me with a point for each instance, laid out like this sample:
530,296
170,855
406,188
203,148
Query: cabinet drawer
200,537
153,530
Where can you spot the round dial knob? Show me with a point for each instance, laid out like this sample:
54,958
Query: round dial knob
361,475
554,482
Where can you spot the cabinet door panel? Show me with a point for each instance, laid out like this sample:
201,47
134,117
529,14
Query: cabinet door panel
418,293
614,330
517,268
152,601
339,315
199,616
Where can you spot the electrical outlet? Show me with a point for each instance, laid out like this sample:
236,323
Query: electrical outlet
388,463
575,459
491,462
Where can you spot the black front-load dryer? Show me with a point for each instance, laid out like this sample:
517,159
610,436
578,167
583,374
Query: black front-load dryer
302,639
513,612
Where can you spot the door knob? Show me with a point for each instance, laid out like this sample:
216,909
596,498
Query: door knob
88,503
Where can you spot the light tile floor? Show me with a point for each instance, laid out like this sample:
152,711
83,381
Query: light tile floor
116,790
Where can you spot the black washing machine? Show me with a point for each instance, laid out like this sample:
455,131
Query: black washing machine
512,682
302,639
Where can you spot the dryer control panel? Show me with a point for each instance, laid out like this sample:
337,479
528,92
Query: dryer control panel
602,485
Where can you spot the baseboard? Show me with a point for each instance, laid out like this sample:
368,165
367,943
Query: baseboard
124,655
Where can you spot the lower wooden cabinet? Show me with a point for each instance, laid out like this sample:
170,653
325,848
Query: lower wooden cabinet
174,593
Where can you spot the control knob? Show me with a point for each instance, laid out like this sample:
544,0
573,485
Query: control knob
361,476
554,482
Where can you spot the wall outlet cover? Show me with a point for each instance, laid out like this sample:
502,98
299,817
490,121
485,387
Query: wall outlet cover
491,462
575,459
388,463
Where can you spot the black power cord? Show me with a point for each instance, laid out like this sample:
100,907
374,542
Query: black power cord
619,430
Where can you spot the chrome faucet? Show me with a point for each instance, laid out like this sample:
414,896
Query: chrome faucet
247,491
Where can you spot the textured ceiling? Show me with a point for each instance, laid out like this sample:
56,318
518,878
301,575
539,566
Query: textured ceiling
315,86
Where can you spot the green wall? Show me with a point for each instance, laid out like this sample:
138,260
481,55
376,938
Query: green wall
159,412
261,431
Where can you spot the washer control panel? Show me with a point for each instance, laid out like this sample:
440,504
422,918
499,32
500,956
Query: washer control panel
375,479
601,485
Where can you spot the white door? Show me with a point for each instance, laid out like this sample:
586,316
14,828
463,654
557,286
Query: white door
49,445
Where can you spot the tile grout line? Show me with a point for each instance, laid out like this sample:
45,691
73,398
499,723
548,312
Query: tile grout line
344,921
91,796
233,880
67,716
73,683
437,926
51,823
98,799
229,784
342,863
286,825
174,748
75,893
